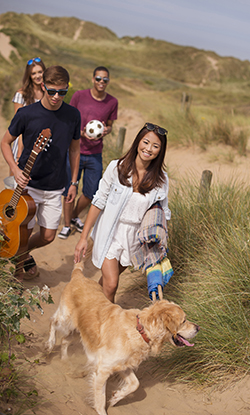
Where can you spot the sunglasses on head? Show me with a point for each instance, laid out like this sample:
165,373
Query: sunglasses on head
99,78
34,60
52,92
154,127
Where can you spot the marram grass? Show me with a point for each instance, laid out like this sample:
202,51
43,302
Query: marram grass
209,245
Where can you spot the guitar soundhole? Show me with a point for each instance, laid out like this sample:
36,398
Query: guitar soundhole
9,212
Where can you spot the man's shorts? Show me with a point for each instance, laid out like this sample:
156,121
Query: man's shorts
48,207
91,165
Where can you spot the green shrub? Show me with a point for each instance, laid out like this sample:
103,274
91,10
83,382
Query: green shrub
15,303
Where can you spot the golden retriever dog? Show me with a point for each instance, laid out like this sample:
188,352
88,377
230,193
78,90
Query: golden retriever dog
115,339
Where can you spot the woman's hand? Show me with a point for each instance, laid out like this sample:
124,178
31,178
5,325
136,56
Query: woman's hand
81,247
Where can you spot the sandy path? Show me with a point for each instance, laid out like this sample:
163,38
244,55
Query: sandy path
62,384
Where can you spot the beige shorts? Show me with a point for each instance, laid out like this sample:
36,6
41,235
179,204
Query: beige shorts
48,207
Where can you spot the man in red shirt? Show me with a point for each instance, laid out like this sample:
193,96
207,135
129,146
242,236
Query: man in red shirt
93,104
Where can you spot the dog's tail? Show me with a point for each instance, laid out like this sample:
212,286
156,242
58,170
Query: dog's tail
80,265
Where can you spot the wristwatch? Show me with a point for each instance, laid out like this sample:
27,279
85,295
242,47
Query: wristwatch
74,183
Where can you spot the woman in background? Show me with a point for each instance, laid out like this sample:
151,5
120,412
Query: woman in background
30,92
129,187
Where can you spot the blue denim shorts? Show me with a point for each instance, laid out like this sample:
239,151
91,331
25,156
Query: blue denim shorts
91,166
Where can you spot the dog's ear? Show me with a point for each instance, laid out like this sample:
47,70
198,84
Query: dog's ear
170,314
170,321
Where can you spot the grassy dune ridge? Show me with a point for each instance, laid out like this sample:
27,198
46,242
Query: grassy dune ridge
138,65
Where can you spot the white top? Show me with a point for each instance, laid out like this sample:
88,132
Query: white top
18,98
135,208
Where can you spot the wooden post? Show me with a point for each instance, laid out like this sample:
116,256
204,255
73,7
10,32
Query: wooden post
183,101
205,184
120,139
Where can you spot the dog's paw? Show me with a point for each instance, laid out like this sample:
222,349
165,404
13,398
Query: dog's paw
48,347
116,397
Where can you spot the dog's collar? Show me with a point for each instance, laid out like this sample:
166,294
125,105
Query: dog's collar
140,328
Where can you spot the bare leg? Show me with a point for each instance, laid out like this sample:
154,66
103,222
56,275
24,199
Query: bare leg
38,240
42,238
81,204
67,212
111,269
22,256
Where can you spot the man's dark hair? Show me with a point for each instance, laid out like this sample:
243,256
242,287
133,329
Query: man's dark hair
100,68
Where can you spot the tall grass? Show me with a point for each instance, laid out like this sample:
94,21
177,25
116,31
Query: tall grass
195,127
210,253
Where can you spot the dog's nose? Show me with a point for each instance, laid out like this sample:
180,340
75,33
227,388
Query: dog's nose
197,327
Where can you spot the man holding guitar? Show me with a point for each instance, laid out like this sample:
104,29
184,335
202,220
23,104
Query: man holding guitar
47,178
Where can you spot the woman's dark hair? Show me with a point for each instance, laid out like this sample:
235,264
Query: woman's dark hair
154,175
27,88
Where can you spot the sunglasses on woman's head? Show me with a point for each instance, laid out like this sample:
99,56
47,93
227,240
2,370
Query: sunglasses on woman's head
154,127
34,60
99,78
52,92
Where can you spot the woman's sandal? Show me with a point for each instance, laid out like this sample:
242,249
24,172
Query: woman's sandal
28,264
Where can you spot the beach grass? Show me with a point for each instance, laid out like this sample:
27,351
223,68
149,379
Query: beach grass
209,248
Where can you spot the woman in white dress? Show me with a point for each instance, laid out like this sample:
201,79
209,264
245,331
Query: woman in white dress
128,188
30,92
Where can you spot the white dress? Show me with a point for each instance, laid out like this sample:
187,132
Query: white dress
125,241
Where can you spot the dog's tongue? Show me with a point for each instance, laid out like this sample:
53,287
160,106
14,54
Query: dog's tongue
185,341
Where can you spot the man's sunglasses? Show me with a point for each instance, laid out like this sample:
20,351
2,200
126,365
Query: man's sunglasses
154,127
99,78
34,60
52,92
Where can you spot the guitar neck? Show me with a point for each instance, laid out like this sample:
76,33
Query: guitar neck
26,172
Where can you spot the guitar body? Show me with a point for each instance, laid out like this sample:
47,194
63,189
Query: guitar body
17,207
13,222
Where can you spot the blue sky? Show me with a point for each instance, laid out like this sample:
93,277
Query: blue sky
222,26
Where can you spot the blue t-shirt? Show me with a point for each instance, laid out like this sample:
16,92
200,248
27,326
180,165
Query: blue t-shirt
49,170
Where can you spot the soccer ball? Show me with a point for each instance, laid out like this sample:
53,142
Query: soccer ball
94,129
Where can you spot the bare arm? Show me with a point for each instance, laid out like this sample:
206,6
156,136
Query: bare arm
8,155
81,246
74,159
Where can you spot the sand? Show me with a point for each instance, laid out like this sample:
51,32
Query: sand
60,384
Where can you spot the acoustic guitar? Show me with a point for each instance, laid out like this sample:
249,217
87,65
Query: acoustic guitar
17,207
